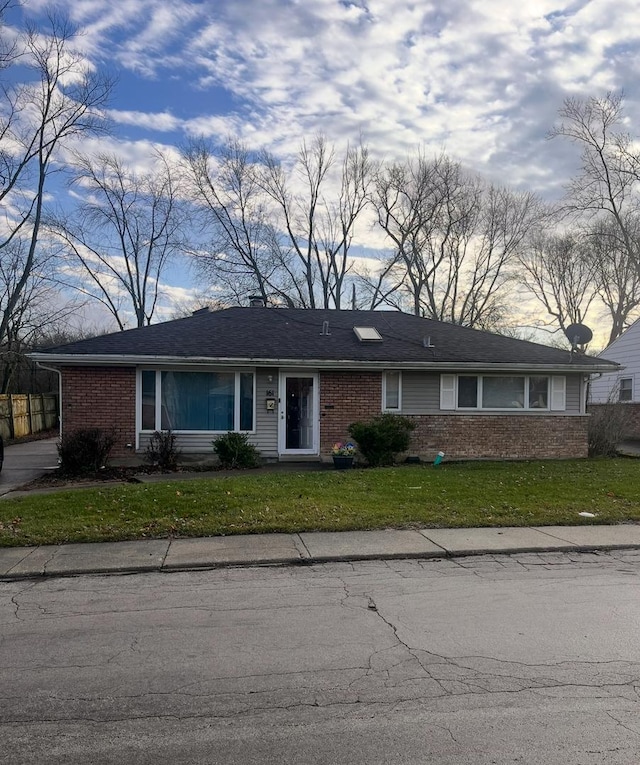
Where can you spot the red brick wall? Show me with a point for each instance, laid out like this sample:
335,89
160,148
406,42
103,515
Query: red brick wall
349,396
344,398
101,397
508,436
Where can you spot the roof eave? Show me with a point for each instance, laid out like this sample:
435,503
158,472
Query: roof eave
119,360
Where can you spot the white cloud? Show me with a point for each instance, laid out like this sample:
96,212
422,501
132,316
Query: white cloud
140,157
484,80
160,121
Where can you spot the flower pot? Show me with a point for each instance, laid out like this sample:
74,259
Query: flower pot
342,462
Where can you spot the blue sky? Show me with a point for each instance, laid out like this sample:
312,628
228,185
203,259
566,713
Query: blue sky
481,79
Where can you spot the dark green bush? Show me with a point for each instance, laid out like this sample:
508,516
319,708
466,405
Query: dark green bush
84,451
162,451
380,439
235,451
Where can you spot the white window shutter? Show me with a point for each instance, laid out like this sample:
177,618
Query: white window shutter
447,391
558,393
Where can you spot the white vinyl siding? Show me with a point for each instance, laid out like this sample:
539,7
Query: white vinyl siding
626,351
265,437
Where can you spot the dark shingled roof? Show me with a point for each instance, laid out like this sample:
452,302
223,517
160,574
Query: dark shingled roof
297,334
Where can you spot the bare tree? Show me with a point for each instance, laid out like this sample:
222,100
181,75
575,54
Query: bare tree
603,197
454,239
241,254
318,212
60,100
8,45
284,234
558,273
123,235
40,306
607,183
616,275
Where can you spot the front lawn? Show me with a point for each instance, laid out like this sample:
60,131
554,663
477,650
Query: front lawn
451,495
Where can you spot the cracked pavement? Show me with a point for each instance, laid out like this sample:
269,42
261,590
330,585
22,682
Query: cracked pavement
528,658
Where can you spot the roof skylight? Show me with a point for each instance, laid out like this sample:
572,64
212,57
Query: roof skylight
368,334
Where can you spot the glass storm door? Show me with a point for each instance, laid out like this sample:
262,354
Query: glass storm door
298,414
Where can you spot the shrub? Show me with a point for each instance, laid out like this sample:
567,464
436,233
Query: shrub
235,451
380,439
162,451
84,451
607,428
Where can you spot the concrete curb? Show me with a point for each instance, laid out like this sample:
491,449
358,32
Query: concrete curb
184,554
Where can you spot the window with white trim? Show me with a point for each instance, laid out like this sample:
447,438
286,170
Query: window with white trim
193,401
625,392
392,391
499,392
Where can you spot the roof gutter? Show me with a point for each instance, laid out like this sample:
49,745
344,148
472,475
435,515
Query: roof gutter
120,360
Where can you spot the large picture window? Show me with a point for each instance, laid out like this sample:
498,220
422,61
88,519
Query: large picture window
209,401
501,392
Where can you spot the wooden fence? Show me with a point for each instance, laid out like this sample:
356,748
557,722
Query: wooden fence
24,414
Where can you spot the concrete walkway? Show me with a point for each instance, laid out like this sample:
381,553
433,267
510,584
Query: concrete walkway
306,548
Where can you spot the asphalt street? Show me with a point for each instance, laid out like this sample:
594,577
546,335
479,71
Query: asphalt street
529,658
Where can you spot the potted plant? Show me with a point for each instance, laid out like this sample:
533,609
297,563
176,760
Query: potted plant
343,455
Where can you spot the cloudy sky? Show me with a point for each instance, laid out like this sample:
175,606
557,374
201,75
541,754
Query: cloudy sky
481,79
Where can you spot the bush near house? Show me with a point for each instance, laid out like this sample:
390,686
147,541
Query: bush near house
162,451
382,438
85,450
235,451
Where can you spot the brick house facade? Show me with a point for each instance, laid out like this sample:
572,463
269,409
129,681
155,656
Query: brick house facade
295,379
347,396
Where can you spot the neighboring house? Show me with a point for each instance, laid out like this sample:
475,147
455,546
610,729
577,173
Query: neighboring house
294,380
623,384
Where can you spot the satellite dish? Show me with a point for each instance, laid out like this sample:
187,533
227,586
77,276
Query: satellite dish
578,334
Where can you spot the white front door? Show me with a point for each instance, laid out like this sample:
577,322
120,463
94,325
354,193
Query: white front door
298,413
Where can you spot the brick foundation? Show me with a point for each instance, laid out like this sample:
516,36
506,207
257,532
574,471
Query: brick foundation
101,397
508,436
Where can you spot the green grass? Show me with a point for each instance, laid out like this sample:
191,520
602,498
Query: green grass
454,495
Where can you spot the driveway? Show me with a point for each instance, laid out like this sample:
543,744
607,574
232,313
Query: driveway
27,461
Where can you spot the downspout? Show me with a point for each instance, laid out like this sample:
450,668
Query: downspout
587,383
59,373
